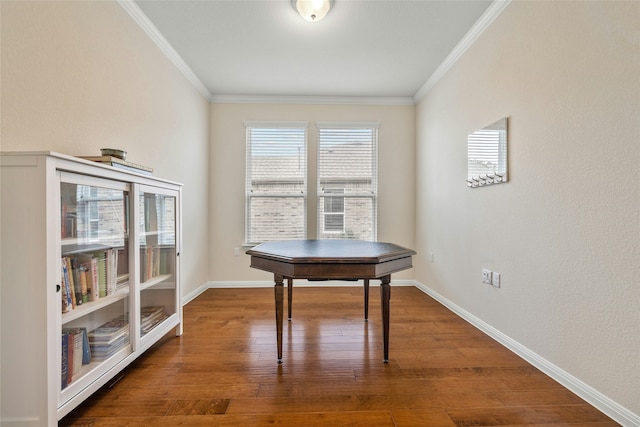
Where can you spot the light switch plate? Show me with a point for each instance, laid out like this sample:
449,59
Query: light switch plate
495,279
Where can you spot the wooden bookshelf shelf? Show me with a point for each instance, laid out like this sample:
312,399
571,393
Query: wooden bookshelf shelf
155,281
74,246
86,308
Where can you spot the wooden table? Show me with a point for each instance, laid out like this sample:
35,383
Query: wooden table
331,259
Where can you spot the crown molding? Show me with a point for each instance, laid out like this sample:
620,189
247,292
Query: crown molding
492,12
348,125
132,9
275,124
152,31
336,100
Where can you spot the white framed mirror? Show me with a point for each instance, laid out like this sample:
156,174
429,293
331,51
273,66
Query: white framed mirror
487,155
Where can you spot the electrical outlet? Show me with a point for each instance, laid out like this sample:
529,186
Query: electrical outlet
486,276
236,251
495,279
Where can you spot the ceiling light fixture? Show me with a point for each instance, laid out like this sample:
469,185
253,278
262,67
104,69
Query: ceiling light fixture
312,10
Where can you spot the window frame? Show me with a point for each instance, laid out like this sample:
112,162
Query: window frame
372,195
250,195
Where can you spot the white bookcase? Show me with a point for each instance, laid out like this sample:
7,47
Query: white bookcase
89,278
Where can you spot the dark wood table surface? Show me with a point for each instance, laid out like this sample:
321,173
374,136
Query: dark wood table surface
331,260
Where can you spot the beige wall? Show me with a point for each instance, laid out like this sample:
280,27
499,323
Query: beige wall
565,230
80,76
396,174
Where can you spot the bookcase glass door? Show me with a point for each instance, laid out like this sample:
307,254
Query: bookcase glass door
157,258
95,291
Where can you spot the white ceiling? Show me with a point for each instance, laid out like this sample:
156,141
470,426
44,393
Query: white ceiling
363,48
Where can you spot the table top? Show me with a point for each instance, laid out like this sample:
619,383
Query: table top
330,251
330,259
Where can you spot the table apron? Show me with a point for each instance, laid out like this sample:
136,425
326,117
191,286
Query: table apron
331,270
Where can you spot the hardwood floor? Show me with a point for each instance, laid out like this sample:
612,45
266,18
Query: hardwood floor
223,371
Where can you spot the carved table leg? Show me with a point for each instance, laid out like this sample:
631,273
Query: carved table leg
385,296
279,297
366,300
289,295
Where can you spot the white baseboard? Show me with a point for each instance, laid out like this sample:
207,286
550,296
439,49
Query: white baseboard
269,284
609,407
193,295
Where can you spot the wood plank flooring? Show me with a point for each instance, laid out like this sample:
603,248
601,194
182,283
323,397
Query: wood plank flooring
223,371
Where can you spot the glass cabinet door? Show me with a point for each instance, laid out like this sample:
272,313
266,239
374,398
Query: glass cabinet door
94,269
157,222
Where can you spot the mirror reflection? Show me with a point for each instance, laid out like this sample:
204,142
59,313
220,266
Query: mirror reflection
487,155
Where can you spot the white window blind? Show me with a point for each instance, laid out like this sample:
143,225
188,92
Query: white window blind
347,181
276,182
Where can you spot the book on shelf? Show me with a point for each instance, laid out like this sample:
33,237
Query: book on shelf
151,262
67,303
150,317
81,296
106,262
101,272
87,277
93,268
108,338
112,271
68,281
120,164
89,274
154,261
96,265
80,272
76,352
69,357
167,258
86,348
76,339
64,379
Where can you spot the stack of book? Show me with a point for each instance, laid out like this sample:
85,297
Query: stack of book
120,164
108,338
150,317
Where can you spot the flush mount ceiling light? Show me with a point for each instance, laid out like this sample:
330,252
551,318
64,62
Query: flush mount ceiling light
312,10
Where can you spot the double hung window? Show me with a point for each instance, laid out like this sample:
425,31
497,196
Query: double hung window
347,180
277,174
276,181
